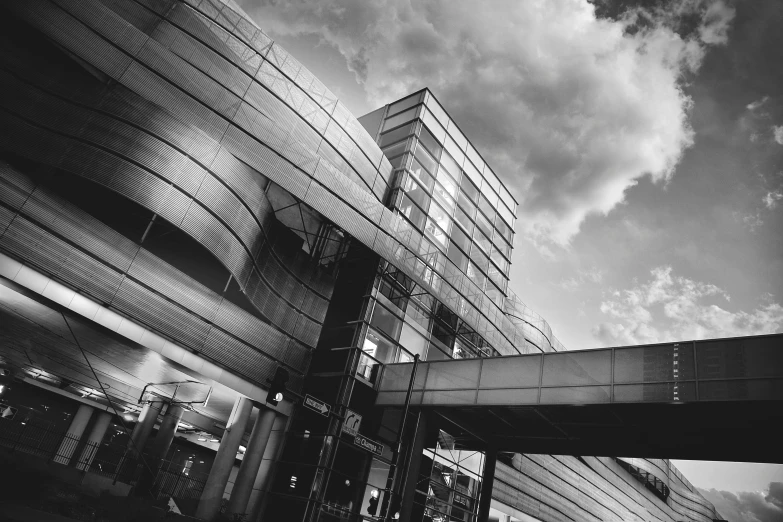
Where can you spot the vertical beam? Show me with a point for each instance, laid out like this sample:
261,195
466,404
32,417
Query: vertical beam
209,505
487,481
160,447
411,474
141,432
248,470
94,440
74,434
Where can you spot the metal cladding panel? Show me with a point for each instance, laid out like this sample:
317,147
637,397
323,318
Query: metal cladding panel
218,239
73,35
173,284
160,314
217,197
30,242
107,23
134,14
247,182
15,188
70,223
249,329
6,215
149,85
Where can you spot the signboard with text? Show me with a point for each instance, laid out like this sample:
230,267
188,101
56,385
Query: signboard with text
369,445
317,405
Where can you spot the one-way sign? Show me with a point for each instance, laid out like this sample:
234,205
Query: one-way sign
316,405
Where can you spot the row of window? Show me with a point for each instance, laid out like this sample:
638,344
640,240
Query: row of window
455,141
442,149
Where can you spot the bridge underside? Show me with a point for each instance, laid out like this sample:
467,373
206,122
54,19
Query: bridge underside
703,400
722,431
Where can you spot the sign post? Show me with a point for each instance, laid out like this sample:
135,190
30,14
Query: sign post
352,423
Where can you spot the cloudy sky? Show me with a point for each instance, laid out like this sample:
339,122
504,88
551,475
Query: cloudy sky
643,139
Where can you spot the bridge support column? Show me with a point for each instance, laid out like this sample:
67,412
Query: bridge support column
411,474
248,470
209,505
487,481
74,434
99,428
160,447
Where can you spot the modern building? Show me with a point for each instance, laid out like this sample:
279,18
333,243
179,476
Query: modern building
185,210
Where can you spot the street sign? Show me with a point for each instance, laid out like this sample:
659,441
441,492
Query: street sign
352,423
7,412
316,405
368,444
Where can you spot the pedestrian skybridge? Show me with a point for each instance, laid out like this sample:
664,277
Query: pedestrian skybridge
718,399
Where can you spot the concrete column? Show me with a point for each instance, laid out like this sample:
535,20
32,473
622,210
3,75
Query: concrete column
159,448
209,505
248,470
487,481
74,434
411,474
94,440
141,432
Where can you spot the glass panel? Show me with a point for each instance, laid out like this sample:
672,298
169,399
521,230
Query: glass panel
442,197
414,191
459,138
507,396
507,215
661,392
511,372
463,374
430,142
375,345
755,389
486,208
395,150
412,212
476,276
395,135
426,160
745,357
462,218
503,229
455,151
419,314
421,174
470,190
481,240
385,321
575,395
413,341
449,164
403,104
432,124
456,255
434,353
484,225
399,119
653,363
448,183
491,178
460,239
436,234
592,367
437,110
441,217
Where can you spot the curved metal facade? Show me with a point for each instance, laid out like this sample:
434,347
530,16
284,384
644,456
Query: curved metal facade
233,88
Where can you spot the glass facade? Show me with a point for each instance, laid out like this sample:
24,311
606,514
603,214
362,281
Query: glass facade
443,188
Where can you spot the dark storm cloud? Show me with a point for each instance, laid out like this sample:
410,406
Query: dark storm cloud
748,506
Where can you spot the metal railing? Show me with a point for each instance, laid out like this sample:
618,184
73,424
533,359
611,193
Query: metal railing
113,461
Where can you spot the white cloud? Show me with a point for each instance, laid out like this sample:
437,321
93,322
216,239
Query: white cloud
672,308
593,275
757,104
772,198
777,133
570,109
